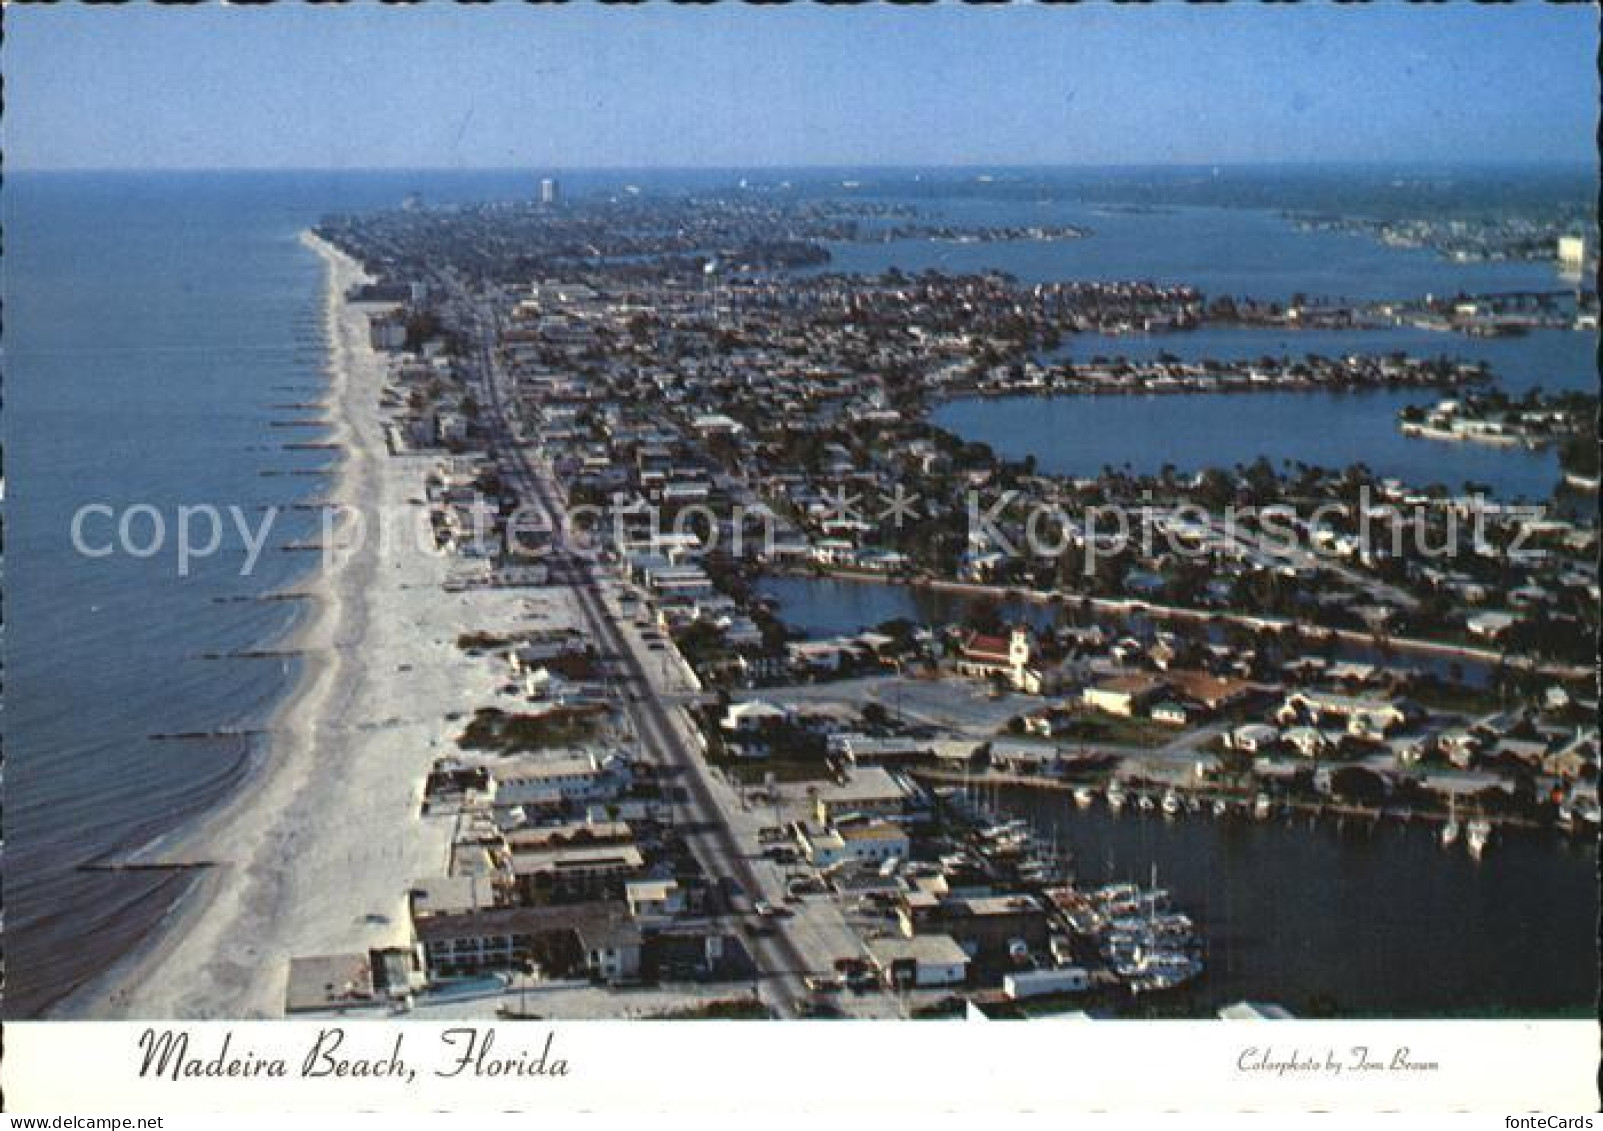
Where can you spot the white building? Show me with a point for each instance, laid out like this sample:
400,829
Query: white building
927,960
584,777
872,842
654,898
1572,251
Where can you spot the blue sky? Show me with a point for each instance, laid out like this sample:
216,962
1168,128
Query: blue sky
586,86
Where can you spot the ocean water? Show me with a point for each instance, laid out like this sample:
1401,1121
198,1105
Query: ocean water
152,321
150,324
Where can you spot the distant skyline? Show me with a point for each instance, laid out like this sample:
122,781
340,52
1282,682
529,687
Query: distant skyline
584,86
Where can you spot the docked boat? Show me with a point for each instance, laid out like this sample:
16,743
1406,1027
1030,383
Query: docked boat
1450,832
1261,807
1146,803
1477,834
1164,971
1083,796
1115,797
1221,807
1171,804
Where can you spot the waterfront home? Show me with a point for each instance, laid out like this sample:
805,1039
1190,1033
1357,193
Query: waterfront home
1459,745
1049,720
1350,674
1171,713
739,631
1462,785
818,657
1527,750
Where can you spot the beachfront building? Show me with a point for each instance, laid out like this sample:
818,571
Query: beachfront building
565,875
541,781
387,332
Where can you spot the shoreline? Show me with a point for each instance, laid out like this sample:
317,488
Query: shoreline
315,849
270,761
312,852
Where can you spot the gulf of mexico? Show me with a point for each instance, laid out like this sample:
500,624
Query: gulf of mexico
151,323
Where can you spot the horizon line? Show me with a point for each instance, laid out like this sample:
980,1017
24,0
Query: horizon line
968,167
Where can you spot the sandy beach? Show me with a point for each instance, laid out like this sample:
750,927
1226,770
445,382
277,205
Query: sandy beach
315,852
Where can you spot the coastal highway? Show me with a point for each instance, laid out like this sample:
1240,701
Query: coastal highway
780,963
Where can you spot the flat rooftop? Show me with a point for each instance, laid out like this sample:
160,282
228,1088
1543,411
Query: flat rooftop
330,981
927,950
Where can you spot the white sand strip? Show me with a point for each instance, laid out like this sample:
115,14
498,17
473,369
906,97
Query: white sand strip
318,848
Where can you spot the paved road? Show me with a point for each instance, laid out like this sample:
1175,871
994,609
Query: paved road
780,962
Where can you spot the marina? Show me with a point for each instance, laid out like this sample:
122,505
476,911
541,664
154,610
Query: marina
1244,877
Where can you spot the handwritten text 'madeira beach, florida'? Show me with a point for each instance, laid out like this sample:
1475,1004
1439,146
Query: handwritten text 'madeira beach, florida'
462,1052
